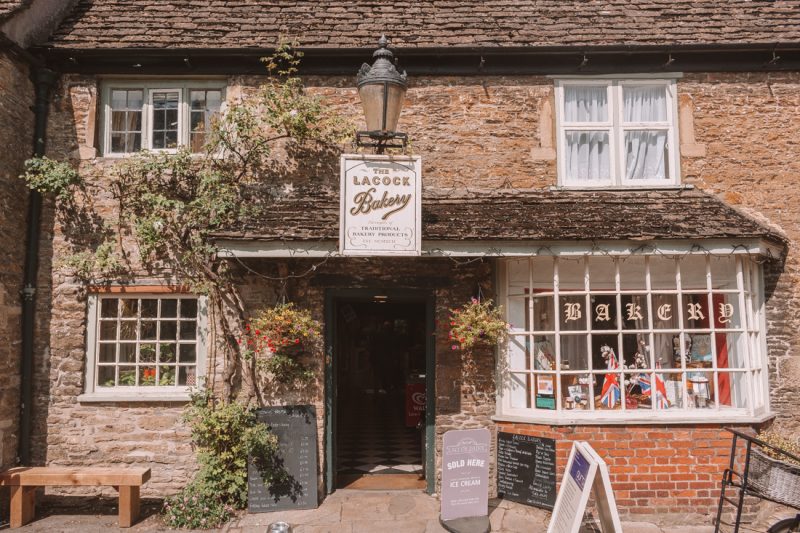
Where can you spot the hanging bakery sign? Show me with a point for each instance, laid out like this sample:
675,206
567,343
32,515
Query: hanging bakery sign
380,205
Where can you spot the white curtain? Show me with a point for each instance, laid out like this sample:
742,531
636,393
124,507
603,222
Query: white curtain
588,157
645,154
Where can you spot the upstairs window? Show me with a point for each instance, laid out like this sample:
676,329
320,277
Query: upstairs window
615,133
159,116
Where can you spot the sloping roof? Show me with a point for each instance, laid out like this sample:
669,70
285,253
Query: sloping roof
531,215
100,24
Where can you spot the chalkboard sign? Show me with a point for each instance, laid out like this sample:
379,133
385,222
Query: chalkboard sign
526,469
296,429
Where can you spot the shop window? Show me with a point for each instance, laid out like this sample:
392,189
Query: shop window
633,337
617,133
159,116
147,344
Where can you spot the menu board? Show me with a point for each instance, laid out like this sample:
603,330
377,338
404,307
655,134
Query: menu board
526,469
296,429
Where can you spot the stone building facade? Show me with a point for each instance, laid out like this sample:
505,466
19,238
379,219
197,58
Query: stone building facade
489,138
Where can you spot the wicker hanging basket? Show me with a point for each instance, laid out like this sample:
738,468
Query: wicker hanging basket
774,479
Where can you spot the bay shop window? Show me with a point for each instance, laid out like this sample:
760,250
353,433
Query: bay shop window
633,337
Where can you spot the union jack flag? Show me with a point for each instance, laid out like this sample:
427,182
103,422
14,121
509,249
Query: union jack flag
661,390
611,393
644,383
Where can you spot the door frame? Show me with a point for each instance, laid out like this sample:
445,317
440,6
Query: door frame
332,298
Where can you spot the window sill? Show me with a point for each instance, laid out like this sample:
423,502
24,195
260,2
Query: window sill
643,187
135,396
596,419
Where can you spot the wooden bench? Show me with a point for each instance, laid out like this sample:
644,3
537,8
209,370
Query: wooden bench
23,482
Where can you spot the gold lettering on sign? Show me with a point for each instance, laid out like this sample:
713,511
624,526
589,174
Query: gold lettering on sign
725,313
572,312
365,203
696,312
634,311
386,180
603,312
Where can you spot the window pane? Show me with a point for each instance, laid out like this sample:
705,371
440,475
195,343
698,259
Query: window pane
700,350
198,100
696,312
673,387
665,311
517,314
118,142
572,312
700,386
213,100
726,310
134,141
604,312
147,330
147,376
571,275
188,308
646,103
127,330
188,353
543,316
605,352
666,350
573,352
632,274
544,352
542,273
167,353
575,391
130,307
108,330
635,351
166,376
610,393
188,330
135,99
545,392
149,308
169,308
634,311
147,353
646,155
518,356
602,274
732,390
119,121
127,353
588,156
187,376
108,353
693,272
638,390
723,273
127,376
585,104
731,350
169,330
119,99
106,376
518,391
662,273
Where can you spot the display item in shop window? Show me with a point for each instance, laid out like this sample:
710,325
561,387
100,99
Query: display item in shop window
565,364
545,360
701,348
677,354
700,389
662,402
611,393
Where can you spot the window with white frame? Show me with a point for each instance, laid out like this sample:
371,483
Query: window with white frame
159,116
634,337
617,133
144,342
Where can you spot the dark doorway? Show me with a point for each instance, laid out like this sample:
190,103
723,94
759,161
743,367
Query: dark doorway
380,350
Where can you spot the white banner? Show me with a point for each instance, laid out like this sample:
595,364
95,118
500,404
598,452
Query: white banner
381,205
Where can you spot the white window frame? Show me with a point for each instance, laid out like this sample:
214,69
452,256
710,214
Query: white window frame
752,325
183,87
616,129
181,393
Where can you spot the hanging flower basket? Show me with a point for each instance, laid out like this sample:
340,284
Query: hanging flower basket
478,322
277,337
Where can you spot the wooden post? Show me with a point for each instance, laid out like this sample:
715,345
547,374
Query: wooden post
23,505
128,505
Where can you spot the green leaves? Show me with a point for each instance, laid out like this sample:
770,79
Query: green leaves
49,176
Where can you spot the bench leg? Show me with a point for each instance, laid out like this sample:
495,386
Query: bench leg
128,505
23,505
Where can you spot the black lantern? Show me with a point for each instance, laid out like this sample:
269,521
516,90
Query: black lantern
381,89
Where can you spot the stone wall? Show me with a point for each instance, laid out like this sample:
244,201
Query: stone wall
16,137
738,139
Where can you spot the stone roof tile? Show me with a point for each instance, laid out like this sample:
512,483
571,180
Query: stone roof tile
425,23
530,215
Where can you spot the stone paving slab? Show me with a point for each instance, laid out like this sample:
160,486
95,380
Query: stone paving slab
346,511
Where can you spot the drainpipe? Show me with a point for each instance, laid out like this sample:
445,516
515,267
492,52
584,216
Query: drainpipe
43,80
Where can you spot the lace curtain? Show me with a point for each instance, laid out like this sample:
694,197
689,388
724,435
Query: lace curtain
645,154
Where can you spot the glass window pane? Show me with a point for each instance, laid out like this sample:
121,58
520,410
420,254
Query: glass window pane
695,311
106,376
543,314
632,273
732,390
108,353
130,307
127,376
147,376
166,353
666,350
519,385
572,312
585,103
127,330
159,121
573,352
147,330
576,391
609,394
118,143
665,311
701,390
518,277
517,314
602,273
198,100
638,390
134,141
188,353
518,353
108,330
187,376
605,352
188,330
169,330
693,272
604,312
169,308
587,156
119,120
197,122
571,275
166,376
149,308
635,351
213,100
542,273
171,139
545,392
647,103
731,350
674,390
646,155
723,273
700,350
127,352
119,99
544,352
133,121
634,311
135,99
663,273
726,310
147,353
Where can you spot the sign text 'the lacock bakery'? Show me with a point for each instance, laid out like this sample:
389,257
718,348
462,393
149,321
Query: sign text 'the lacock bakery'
380,205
